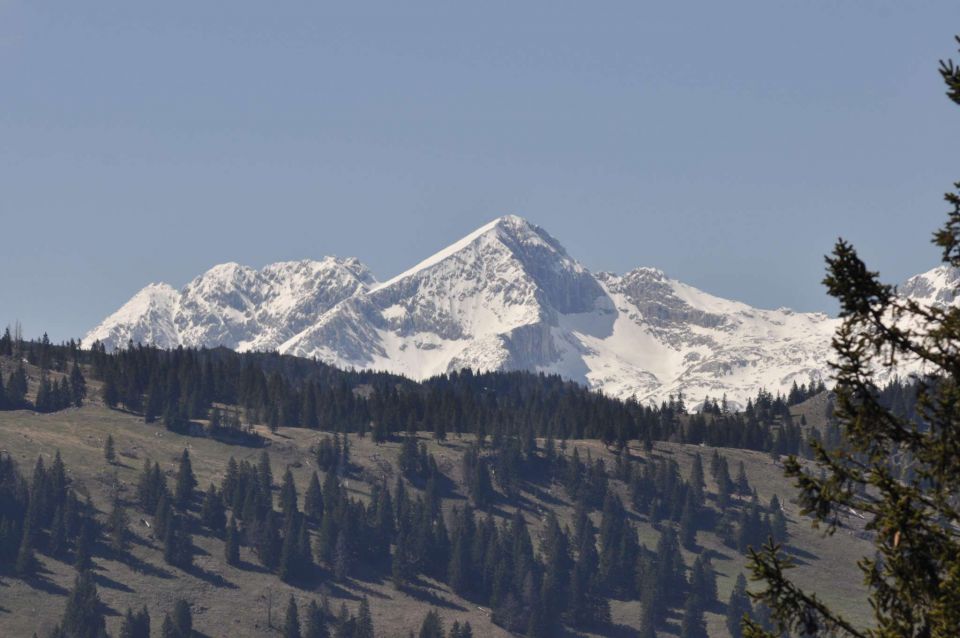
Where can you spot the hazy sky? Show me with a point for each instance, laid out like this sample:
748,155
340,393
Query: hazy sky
728,143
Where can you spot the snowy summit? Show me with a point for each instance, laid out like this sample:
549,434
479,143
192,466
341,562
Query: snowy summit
505,297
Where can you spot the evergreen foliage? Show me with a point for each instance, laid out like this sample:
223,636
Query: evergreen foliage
291,622
432,626
109,454
316,622
186,482
136,624
83,616
914,577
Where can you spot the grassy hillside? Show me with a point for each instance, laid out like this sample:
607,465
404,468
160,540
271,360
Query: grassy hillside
240,601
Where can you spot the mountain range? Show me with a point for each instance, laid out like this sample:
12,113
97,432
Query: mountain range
507,296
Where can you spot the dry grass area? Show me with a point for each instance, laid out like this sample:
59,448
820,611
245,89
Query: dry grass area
229,601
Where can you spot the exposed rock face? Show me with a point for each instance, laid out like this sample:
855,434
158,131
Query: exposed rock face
505,297
235,306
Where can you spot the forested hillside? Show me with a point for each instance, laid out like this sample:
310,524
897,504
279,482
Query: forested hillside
222,484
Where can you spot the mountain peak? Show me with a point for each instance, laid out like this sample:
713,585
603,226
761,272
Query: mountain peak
938,286
507,226
505,296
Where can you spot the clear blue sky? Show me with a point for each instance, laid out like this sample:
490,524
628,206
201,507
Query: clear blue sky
728,143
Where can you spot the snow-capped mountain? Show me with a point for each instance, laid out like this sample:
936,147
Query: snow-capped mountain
505,297
235,306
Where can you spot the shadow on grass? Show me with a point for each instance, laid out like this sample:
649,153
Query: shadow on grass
714,554
210,577
335,590
138,565
420,591
545,495
45,585
108,610
796,552
41,582
109,583
136,539
367,591
247,566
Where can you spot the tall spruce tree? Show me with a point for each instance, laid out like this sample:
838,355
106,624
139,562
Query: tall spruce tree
135,624
109,453
78,386
316,622
291,622
693,624
737,607
83,616
182,618
213,515
186,482
364,625
432,626
913,578
231,548
313,500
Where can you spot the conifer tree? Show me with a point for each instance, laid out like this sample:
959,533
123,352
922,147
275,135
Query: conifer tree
737,607
182,618
647,623
127,626
83,616
118,526
57,540
142,619
213,515
432,626
313,500
161,517
343,560
136,624
78,386
267,541
83,559
231,547
109,454
316,622
693,624
304,550
688,521
26,564
153,406
289,564
288,496
913,579
703,580
266,474
742,484
364,625
151,487
697,482
178,543
43,402
109,393
17,387
186,482
291,623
